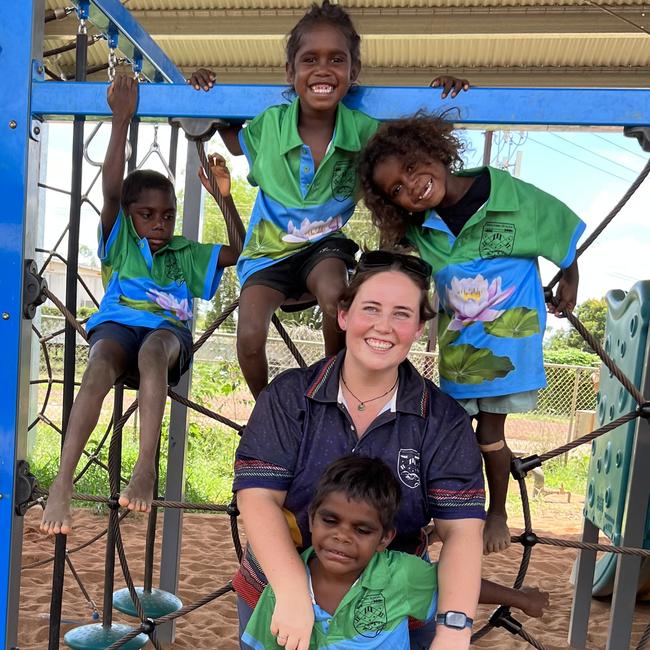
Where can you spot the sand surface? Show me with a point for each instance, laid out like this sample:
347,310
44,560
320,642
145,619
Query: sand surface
208,561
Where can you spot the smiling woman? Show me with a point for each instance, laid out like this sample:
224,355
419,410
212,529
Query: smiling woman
367,401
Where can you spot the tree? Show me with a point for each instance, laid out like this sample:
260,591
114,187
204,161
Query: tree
592,313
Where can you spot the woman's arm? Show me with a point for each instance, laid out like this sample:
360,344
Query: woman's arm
459,577
269,536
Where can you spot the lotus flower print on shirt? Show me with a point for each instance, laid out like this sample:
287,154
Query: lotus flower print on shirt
170,303
472,300
310,230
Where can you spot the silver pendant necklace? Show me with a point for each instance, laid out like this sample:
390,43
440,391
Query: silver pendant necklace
361,406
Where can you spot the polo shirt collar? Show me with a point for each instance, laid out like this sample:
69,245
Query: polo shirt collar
503,195
345,134
412,393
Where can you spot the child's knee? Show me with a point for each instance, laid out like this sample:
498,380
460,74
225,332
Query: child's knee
328,299
251,337
157,352
101,373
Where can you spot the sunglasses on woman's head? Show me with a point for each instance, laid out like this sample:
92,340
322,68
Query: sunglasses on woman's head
410,263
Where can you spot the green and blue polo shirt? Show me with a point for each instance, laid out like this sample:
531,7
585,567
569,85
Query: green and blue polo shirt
493,312
297,205
373,614
146,290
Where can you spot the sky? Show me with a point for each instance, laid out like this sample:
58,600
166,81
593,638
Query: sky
589,170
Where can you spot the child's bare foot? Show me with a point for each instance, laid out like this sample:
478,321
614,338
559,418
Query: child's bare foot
138,494
56,516
533,601
496,534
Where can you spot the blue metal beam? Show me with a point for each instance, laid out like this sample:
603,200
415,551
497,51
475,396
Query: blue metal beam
530,106
133,41
21,36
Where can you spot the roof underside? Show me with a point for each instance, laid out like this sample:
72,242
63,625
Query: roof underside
491,42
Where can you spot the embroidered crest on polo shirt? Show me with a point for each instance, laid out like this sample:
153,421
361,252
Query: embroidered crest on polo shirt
497,239
344,178
408,467
370,616
173,269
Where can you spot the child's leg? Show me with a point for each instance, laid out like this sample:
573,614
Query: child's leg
257,304
158,354
326,281
106,362
496,455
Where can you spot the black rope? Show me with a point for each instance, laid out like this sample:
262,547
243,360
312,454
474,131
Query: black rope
607,220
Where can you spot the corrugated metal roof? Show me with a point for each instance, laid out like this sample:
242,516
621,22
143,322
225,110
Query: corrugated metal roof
494,42
190,5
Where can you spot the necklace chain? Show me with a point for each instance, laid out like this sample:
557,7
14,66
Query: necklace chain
361,406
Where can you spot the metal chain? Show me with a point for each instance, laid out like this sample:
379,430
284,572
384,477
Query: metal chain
112,63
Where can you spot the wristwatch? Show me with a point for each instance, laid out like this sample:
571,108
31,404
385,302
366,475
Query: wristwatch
455,620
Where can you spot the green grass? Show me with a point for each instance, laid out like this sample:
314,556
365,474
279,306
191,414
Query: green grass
209,461
572,476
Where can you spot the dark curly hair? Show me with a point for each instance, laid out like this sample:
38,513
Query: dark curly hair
326,14
144,179
421,138
361,478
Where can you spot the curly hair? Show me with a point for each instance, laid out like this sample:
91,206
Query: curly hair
144,179
325,14
421,138
361,478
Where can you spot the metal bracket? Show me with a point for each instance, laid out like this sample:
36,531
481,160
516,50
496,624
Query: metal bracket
35,130
33,289
200,129
641,133
25,486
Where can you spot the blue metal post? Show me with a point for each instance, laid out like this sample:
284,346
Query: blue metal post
21,38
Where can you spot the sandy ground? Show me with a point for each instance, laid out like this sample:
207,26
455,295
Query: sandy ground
208,561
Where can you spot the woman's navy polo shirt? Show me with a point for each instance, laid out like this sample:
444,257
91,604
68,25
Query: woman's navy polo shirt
297,428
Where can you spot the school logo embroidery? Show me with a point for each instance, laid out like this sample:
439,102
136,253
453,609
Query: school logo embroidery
370,615
173,270
497,239
408,467
344,178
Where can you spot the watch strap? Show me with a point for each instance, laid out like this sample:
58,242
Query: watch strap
462,620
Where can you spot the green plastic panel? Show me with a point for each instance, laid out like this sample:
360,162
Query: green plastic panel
625,341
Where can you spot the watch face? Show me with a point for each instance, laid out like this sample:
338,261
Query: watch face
455,619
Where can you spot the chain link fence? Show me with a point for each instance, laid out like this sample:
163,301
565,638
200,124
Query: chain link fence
565,408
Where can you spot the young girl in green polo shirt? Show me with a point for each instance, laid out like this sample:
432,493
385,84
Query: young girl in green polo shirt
142,330
482,231
303,157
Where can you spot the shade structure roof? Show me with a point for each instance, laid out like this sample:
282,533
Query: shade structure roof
573,43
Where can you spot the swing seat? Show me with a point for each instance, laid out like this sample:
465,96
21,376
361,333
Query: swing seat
155,603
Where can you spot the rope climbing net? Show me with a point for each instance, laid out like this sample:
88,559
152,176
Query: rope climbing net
502,617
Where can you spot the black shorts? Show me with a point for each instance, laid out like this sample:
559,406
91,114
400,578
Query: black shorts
289,276
131,338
